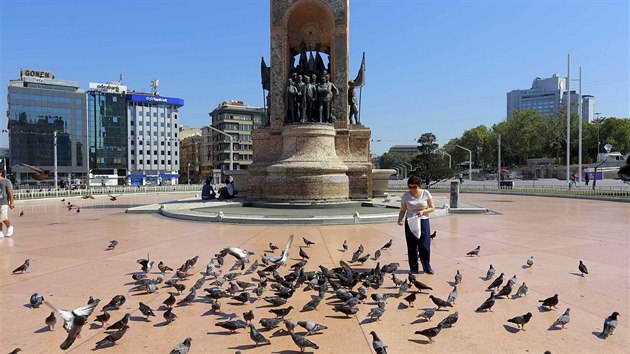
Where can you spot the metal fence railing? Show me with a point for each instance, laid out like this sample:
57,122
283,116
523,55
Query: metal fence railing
604,191
39,193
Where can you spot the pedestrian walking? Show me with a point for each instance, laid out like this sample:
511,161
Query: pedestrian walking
6,203
587,177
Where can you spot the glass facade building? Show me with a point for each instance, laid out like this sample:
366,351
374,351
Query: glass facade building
37,108
107,131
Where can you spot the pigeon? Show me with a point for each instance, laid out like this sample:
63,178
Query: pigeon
522,290
496,283
490,273
36,300
289,325
563,320
520,321
272,247
182,348
474,252
347,310
430,333
23,267
303,254
74,330
609,325
189,298
16,350
363,259
302,342
512,280
427,313
312,305
199,283
92,300
458,277
51,320
388,245
345,245
377,344
433,234
146,264
112,338
163,267
120,323
242,297
411,298
252,268
390,268
169,316
505,291
248,316
487,305
257,337
270,323
452,296
449,320
170,301
232,326
282,259
581,267
530,261
311,327
439,302
550,302
420,285
281,312
377,255
69,316
396,281
308,242
113,198
112,245
115,303
275,300
179,287
103,318
146,310
376,312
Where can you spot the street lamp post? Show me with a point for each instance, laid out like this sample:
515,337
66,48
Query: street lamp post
599,123
469,161
447,154
410,167
188,173
231,144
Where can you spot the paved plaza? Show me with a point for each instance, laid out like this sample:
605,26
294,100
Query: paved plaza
70,263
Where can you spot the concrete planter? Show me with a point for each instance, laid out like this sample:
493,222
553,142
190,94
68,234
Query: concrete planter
380,178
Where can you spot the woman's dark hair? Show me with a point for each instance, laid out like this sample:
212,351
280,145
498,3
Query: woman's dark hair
414,180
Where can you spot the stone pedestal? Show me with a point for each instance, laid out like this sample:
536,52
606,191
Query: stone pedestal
353,148
240,181
454,194
380,181
308,169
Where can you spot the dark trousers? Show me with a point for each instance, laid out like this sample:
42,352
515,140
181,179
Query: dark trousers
421,246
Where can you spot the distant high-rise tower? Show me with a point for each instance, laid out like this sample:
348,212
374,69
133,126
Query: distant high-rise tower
546,96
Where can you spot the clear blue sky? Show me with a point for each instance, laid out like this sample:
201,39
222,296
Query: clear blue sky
432,66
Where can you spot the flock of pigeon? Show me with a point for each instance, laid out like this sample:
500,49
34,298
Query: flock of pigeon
271,280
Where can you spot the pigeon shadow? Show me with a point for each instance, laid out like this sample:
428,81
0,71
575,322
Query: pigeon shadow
280,333
598,335
244,347
451,283
29,306
340,317
554,328
543,309
222,333
402,306
419,341
290,352
42,330
93,325
138,319
577,274
524,266
511,329
161,324
103,346
514,296
420,320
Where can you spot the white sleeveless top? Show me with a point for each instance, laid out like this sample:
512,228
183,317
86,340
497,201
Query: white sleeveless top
416,205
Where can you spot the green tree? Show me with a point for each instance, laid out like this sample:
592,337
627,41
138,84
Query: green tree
393,159
427,143
430,165
624,172
480,141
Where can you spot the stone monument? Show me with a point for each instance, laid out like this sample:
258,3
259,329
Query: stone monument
310,152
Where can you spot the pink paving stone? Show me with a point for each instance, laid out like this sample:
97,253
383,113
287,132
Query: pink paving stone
70,264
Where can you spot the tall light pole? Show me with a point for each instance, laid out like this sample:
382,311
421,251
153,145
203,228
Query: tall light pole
580,130
188,173
469,161
410,166
447,154
499,160
55,156
599,122
568,116
231,144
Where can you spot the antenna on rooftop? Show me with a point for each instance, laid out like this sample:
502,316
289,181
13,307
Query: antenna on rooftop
121,78
154,87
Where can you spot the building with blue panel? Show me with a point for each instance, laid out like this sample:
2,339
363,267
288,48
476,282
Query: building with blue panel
153,142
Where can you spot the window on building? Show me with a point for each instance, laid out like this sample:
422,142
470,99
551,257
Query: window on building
162,124
162,153
162,143
176,162
155,124
155,142
176,137
140,142
148,152
175,125
161,115
155,162
175,153
148,162
169,152
169,125
133,152
140,152
155,152
131,123
147,114
133,132
169,162
140,133
162,162
114,99
176,142
133,142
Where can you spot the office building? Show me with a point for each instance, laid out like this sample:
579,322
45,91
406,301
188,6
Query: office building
107,131
238,120
405,149
190,156
40,106
153,132
548,95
